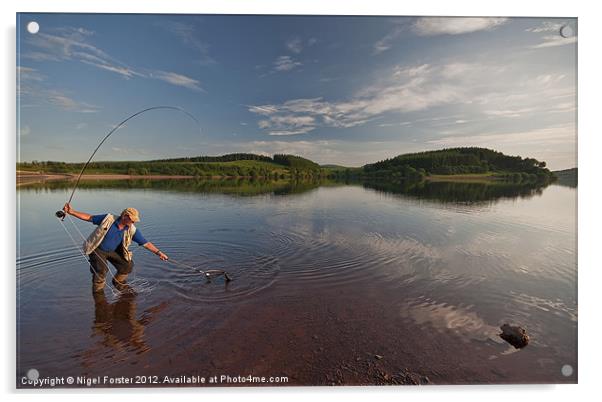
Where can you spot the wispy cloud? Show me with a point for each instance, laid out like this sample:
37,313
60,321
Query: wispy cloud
481,90
295,45
554,40
64,102
70,43
430,26
73,44
549,135
29,74
546,26
286,63
554,32
406,89
31,86
188,34
177,79
288,124
387,42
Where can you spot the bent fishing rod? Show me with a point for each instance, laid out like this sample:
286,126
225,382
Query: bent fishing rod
61,214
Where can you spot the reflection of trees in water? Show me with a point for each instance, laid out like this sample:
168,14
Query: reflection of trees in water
118,326
237,187
458,192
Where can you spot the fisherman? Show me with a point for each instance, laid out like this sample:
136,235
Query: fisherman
110,241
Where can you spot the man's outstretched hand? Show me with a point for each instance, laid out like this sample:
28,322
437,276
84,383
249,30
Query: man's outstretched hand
163,256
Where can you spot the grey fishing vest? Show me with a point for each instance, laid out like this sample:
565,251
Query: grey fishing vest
97,236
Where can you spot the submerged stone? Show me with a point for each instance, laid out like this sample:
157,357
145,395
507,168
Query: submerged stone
514,335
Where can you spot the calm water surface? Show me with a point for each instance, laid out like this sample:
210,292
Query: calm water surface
332,284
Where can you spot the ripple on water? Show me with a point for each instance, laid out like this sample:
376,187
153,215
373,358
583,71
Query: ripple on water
252,270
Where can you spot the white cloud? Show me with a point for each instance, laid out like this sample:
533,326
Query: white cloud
546,26
177,79
72,44
406,89
62,101
387,42
31,86
430,26
554,40
486,93
549,135
554,37
295,45
285,63
29,74
190,37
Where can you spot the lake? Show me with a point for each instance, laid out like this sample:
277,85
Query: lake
333,283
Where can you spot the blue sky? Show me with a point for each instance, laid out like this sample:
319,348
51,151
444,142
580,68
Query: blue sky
343,90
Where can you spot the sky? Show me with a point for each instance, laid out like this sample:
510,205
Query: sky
335,89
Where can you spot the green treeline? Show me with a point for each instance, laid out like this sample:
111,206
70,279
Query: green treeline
231,165
470,160
222,158
413,167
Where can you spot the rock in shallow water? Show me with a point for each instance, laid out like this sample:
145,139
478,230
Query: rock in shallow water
514,335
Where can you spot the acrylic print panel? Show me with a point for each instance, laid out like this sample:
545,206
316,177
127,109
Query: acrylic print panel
307,200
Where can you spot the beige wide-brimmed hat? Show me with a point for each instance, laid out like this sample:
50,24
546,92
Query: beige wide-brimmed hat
132,213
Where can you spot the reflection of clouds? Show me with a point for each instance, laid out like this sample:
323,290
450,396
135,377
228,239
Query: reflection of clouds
557,306
445,317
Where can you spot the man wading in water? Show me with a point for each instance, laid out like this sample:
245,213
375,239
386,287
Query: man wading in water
110,241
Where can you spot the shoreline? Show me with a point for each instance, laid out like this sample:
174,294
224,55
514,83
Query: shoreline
485,178
24,178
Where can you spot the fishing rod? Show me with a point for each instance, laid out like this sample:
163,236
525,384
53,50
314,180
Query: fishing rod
61,214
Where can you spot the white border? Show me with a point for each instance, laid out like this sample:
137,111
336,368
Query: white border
589,222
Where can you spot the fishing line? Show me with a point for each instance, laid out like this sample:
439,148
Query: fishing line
134,281
85,257
139,285
209,274
61,214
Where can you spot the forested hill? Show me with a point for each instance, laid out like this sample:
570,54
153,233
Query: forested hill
458,161
414,166
233,165
291,161
221,158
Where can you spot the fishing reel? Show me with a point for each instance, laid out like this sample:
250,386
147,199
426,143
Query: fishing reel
60,214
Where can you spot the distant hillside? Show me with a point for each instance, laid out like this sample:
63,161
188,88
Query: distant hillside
460,161
295,162
230,165
567,177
